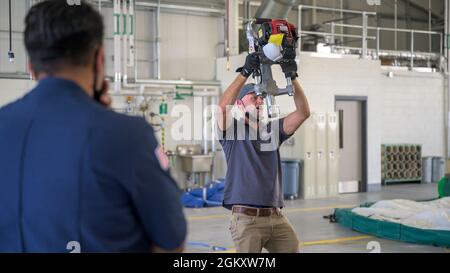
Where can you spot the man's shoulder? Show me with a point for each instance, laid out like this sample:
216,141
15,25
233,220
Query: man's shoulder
116,120
124,127
117,140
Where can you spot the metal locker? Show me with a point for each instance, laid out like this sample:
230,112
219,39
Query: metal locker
305,141
321,154
333,154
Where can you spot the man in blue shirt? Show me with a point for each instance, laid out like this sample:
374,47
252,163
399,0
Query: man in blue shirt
74,175
253,189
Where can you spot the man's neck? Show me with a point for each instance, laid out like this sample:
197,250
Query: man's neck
82,77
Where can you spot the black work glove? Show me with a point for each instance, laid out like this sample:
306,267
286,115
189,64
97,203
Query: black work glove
251,65
289,68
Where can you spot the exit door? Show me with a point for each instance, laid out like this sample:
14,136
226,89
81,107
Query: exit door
352,144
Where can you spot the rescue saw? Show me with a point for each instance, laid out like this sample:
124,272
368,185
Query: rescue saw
276,41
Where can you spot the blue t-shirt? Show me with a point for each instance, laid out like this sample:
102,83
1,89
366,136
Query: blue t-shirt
253,165
72,170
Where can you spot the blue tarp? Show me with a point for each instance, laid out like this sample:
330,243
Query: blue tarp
193,198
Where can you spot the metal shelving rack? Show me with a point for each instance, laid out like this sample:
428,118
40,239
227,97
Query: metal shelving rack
401,163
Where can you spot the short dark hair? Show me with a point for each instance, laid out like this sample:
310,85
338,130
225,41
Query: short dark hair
58,35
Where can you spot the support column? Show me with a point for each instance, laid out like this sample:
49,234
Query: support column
233,27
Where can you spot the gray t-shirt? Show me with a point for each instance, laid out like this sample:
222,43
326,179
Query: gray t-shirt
254,167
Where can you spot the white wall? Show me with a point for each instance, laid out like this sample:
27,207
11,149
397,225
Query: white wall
408,108
413,111
11,90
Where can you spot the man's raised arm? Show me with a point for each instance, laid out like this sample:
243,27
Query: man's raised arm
229,96
295,119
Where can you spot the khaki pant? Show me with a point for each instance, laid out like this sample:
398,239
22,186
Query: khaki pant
275,233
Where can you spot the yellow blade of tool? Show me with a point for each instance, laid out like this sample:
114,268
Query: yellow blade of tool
276,39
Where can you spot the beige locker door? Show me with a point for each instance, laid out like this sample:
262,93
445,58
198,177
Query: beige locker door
333,154
350,144
306,140
321,154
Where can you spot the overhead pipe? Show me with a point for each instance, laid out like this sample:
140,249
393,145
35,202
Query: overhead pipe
158,41
227,34
171,85
349,11
447,54
247,8
205,127
278,9
16,76
390,29
173,7
179,82
131,36
341,6
125,35
429,26
211,87
232,20
166,90
395,25
181,7
117,45
214,102
29,3
364,35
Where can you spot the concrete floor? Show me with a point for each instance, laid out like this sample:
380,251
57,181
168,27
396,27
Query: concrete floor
208,227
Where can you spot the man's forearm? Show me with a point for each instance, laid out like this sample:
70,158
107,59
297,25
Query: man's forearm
295,119
229,98
301,102
232,92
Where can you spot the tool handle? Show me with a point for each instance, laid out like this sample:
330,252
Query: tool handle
289,86
251,39
251,46
252,49
260,21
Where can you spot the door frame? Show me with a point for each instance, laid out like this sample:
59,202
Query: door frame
363,187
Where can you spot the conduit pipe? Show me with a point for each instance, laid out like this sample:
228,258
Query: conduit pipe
117,45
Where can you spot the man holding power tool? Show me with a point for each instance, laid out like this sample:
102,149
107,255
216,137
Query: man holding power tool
253,189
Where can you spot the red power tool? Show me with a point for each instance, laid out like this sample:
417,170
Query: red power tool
276,41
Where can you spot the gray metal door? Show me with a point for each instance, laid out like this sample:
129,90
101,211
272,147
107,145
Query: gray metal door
350,144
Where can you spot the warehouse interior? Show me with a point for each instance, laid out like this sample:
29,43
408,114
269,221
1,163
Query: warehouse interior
375,73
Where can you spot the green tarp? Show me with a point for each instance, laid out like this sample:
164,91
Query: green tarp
392,231
444,187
